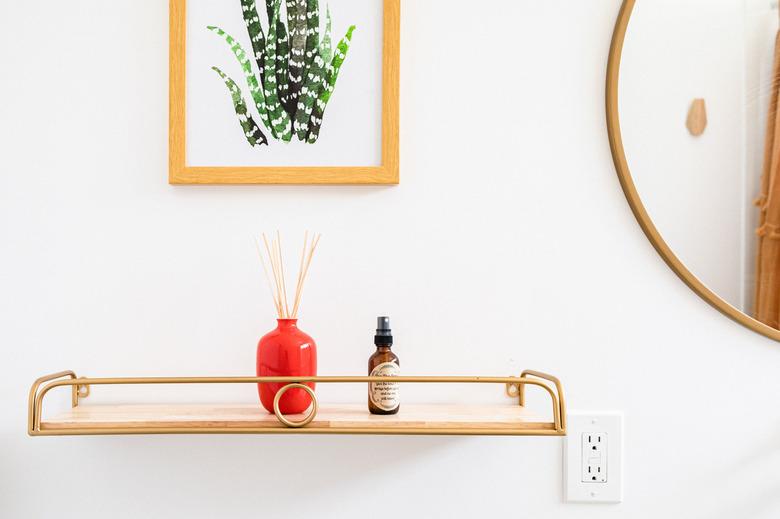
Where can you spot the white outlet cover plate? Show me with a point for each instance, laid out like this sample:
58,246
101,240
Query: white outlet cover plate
574,489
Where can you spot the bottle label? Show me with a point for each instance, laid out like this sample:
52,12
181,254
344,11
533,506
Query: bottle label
384,395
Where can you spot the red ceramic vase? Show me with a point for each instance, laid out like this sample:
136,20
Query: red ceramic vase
286,352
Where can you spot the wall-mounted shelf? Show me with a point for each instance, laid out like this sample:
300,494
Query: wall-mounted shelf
508,419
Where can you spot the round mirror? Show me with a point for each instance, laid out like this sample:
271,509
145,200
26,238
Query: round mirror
692,97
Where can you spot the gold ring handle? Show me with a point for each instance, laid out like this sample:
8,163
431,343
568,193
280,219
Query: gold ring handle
309,417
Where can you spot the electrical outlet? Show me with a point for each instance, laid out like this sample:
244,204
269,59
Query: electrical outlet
593,457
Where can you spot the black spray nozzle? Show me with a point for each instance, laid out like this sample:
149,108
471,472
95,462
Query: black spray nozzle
382,324
384,334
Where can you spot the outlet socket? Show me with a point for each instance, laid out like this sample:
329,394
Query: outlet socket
593,458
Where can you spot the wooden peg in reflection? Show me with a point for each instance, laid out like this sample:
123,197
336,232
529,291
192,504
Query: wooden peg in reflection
697,117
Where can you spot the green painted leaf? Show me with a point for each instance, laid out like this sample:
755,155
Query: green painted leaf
269,8
315,82
332,75
296,25
283,68
326,45
312,31
280,119
313,72
253,134
255,30
254,86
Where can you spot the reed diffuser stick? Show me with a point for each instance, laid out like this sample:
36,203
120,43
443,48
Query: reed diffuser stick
267,277
278,287
272,259
275,245
313,247
300,272
281,270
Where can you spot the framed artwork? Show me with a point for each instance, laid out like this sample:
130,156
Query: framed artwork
284,91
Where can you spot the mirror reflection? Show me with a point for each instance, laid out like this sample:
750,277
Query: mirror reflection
698,97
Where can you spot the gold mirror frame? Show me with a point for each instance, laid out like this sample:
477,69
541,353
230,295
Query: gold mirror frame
634,200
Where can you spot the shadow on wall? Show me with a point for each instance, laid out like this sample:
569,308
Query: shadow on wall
760,497
316,465
224,476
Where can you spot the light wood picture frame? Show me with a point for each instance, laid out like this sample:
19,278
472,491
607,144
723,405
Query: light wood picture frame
181,171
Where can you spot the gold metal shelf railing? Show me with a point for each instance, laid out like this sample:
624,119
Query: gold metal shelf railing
514,387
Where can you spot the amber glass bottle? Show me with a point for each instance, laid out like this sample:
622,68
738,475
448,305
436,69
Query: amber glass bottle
383,396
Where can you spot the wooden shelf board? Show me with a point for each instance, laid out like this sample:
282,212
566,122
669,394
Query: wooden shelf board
353,418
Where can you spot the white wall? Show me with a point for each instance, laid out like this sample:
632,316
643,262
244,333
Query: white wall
504,249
